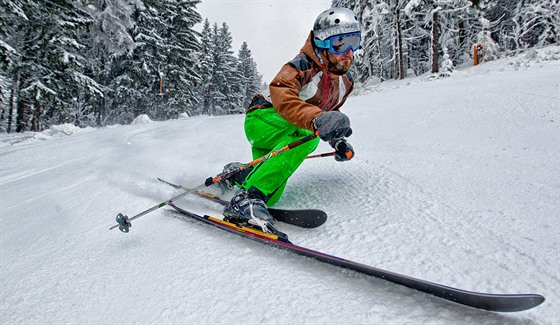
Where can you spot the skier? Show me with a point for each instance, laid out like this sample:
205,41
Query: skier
305,97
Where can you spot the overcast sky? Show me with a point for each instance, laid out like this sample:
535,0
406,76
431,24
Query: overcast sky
274,30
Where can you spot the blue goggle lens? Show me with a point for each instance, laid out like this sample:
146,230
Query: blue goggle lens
340,44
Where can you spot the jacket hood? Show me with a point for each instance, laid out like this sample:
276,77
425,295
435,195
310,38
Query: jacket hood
317,56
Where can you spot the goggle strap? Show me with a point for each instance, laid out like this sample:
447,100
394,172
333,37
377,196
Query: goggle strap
322,44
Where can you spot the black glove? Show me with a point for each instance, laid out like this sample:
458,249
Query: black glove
344,150
332,125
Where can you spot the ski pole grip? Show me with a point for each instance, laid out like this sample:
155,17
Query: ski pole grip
209,181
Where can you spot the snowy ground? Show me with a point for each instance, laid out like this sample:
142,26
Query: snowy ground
455,180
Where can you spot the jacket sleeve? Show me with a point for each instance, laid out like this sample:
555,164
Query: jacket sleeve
284,93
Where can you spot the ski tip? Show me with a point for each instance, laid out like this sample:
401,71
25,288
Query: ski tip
532,301
506,303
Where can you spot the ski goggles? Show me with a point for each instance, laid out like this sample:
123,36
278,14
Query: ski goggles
340,44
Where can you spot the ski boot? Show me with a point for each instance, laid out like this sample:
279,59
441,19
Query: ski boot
247,208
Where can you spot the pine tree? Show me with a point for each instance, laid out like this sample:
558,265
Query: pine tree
536,23
11,17
226,81
377,46
217,79
225,76
142,57
407,37
148,63
108,39
250,81
205,68
48,73
435,13
178,85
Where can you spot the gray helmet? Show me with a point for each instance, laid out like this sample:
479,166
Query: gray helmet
335,21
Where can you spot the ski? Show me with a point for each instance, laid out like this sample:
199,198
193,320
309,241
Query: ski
305,218
486,301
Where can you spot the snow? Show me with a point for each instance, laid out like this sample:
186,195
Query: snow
456,180
142,119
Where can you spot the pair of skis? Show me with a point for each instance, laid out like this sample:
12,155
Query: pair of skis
305,218
310,218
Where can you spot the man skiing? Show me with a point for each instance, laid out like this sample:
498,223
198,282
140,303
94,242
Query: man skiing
305,97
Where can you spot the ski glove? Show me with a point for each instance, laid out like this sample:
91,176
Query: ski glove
344,150
332,125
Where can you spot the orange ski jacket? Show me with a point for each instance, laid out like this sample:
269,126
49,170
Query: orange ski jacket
304,88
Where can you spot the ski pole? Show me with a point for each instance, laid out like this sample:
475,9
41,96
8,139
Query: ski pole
123,221
326,154
212,180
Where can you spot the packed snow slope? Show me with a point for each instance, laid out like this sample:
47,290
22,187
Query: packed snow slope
455,180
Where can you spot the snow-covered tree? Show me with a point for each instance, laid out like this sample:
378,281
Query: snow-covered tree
383,47
446,65
94,62
441,24
250,81
224,81
108,38
231,77
401,37
536,23
217,81
490,48
159,77
11,16
46,69
376,47
178,85
205,67
148,63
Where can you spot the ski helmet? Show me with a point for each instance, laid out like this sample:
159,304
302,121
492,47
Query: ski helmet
334,21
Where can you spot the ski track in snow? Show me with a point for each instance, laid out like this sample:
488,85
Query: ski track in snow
457,189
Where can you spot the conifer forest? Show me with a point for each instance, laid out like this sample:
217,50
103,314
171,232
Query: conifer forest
102,62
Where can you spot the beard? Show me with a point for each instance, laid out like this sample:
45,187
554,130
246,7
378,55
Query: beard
339,64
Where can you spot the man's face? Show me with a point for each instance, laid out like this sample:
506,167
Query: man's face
342,62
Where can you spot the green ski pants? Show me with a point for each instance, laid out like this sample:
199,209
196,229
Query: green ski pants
267,131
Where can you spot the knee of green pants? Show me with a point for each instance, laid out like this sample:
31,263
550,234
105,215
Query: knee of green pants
267,131
270,176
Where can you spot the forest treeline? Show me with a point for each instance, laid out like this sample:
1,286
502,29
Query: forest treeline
101,62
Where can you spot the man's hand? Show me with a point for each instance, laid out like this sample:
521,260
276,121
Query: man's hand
344,150
332,125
